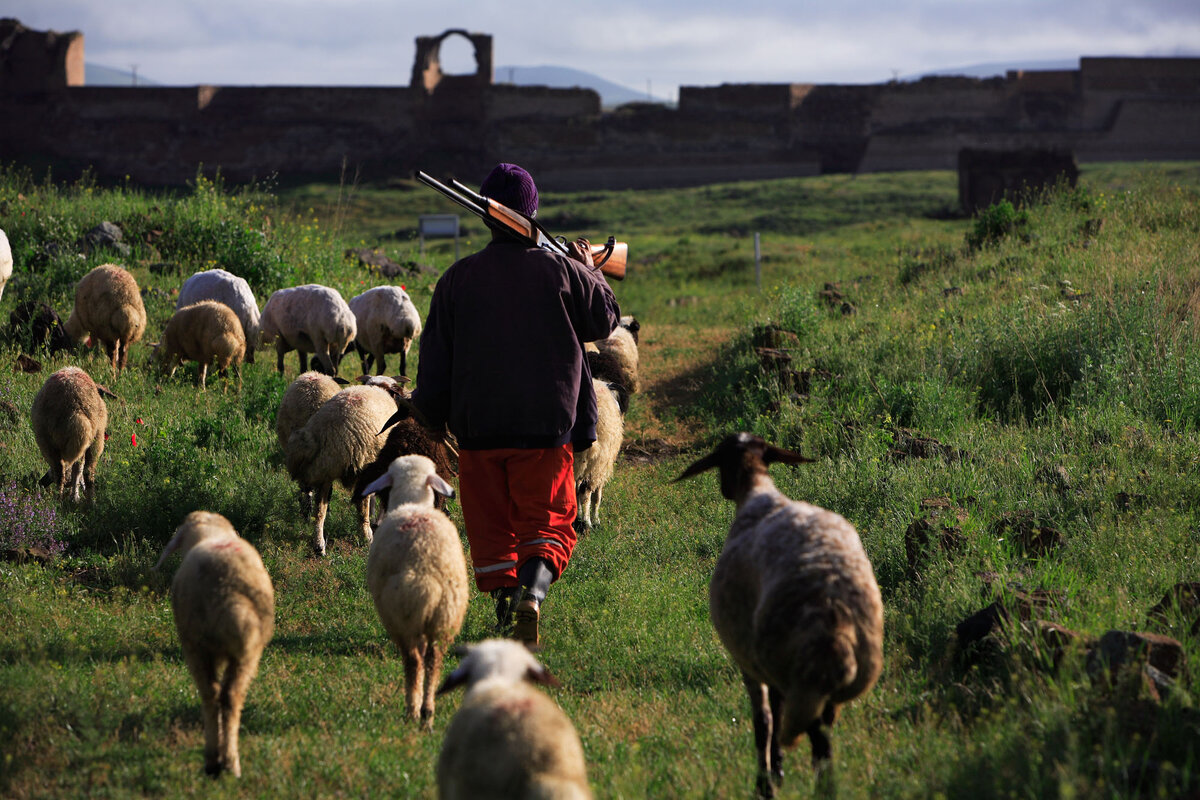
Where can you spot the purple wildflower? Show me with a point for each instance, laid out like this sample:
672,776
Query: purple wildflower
28,519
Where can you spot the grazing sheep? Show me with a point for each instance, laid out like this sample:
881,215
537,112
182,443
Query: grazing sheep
207,332
69,419
387,322
300,401
109,306
6,261
794,600
508,739
621,364
594,466
233,291
337,443
417,576
224,608
309,319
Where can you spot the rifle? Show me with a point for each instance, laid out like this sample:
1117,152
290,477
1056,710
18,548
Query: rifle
609,258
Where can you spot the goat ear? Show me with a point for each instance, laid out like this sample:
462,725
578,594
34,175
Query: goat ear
104,390
708,462
453,680
439,485
401,414
384,481
542,676
170,548
773,454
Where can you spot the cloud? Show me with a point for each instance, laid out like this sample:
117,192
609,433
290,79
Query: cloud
667,42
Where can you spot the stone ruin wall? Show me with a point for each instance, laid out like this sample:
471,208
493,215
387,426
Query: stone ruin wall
1109,109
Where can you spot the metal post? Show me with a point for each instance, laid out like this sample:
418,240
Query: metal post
757,261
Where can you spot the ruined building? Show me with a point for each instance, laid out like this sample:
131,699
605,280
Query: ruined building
1108,109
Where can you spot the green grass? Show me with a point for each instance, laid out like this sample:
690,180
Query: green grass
1067,340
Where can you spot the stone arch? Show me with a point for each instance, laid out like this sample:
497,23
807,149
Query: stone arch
427,69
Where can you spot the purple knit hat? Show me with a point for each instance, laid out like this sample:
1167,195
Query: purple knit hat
512,186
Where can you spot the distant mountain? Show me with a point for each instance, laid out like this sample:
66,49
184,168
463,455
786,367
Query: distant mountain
1000,68
611,94
97,75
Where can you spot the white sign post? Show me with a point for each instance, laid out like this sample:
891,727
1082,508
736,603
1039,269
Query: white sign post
438,225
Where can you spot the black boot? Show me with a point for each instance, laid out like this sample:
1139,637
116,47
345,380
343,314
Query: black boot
506,600
535,576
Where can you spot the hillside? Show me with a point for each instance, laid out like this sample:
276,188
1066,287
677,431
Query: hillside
1006,409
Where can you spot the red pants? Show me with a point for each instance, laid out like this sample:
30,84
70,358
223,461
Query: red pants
517,504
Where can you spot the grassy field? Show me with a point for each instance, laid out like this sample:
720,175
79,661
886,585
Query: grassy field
1034,368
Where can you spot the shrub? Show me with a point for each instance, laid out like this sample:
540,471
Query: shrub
995,223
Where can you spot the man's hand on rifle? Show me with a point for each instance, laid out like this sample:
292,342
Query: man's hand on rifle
581,250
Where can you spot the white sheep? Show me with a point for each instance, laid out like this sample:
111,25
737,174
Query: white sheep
508,739
233,291
69,419
309,319
387,322
6,261
618,360
794,600
417,576
208,332
109,306
336,444
300,401
224,607
594,466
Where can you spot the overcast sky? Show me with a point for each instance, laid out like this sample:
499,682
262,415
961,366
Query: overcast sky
659,44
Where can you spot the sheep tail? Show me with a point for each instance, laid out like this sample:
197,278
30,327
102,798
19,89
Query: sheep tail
809,699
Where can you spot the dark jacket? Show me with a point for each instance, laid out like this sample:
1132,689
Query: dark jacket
502,361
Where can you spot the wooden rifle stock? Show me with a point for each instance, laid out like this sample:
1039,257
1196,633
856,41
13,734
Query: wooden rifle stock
610,258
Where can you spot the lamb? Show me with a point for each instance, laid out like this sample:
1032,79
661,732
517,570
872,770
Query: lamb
619,362
309,319
417,576
508,739
207,332
794,600
6,261
387,322
69,419
594,466
109,306
233,291
224,607
337,443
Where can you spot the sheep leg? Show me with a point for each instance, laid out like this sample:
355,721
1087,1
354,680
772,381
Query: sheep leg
89,471
433,670
122,354
280,349
202,375
113,351
76,480
204,673
59,472
233,697
596,497
775,697
822,754
364,518
382,364
404,362
760,711
412,679
303,361
584,515
323,495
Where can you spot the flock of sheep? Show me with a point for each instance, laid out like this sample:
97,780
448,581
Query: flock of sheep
793,597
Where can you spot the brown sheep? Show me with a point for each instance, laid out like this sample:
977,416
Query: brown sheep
207,332
69,419
109,306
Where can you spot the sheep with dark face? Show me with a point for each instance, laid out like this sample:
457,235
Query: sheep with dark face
794,600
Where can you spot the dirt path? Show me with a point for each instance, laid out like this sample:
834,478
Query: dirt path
672,360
